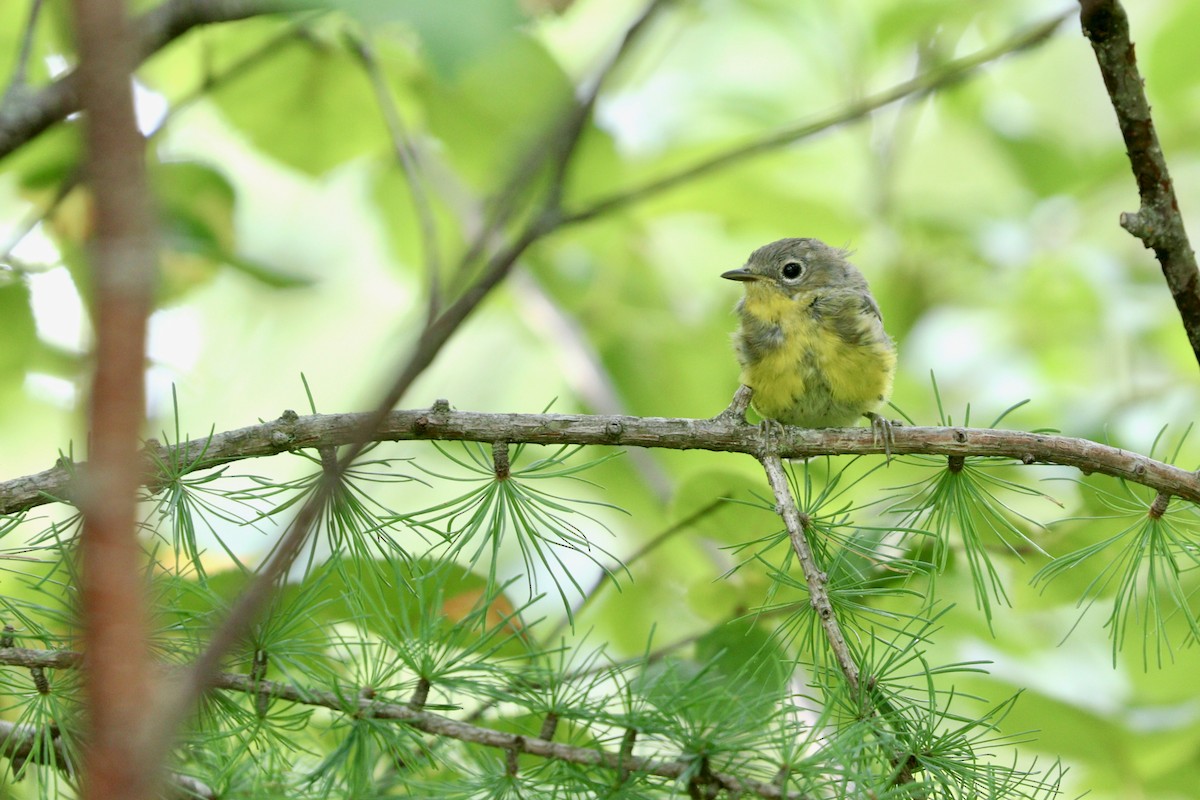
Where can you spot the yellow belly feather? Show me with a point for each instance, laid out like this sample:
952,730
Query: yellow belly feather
814,377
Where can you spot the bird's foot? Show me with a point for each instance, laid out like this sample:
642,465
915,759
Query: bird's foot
881,428
770,430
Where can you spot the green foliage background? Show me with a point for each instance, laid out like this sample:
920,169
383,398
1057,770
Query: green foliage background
984,216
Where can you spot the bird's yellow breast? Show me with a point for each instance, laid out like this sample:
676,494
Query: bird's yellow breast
813,367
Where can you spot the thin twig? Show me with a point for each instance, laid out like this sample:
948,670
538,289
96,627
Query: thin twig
1157,222
230,73
553,151
407,157
814,577
20,75
21,122
922,84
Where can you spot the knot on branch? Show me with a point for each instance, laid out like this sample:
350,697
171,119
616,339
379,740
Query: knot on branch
283,433
6,638
1100,18
500,461
956,463
1141,225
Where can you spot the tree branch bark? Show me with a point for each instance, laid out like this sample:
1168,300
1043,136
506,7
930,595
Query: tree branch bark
1157,222
351,702
722,433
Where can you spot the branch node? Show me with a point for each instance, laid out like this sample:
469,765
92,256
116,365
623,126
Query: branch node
441,407
956,463
39,680
329,462
510,760
549,726
282,434
500,459
1159,506
262,694
1136,223
420,695
736,411
960,435
625,754
6,638
614,429
1027,459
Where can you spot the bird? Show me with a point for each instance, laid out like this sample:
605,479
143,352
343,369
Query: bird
810,339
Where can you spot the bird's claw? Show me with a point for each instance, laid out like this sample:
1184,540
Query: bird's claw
881,428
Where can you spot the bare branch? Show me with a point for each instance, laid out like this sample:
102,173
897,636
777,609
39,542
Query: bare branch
1158,222
24,117
292,432
406,157
818,583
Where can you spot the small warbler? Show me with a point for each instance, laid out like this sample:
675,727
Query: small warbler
811,341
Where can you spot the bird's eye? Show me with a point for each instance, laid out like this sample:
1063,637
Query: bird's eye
792,270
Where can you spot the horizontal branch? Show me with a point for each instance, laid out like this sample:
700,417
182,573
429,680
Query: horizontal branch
725,434
23,743
351,702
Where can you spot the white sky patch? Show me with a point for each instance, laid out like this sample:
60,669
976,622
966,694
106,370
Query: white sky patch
150,108
58,309
51,389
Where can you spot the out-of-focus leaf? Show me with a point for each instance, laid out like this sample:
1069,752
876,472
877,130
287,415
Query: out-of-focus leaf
20,333
751,659
454,33
196,214
310,106
44,163
496,108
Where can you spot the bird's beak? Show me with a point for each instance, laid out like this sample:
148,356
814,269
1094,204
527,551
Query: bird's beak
742,274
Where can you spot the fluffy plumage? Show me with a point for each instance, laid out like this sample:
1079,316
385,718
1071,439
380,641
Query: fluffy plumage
811,340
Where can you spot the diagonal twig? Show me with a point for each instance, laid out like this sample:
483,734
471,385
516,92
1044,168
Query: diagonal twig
430,342
923,84
407,157
1157,222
